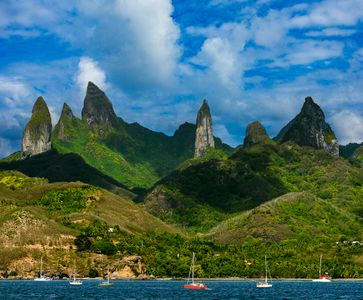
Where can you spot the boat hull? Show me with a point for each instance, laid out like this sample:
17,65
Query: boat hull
41,279
105,284
263,285
195,286
322,280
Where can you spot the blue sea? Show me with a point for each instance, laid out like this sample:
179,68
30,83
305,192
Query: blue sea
28,290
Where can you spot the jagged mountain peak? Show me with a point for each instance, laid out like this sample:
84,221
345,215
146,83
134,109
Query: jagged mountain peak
204,110
40,106
66,112
37,133
97,109
255,133
309,128
61,130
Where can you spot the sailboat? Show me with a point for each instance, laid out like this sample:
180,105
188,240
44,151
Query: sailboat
41,276
107,282
264,284
75,281
322,278
191,284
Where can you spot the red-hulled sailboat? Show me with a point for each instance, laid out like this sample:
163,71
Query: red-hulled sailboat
191,284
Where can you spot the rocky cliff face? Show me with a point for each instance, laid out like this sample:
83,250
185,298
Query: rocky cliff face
66,117
204,134
37,133
309,128
98,110
255,134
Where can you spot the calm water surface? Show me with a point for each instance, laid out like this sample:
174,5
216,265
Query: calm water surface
28,290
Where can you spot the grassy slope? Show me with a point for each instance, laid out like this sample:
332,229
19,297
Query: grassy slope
291,216
20,193
30,227
251,177
65,167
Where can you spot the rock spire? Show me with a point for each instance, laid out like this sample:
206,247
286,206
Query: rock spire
37,133
97,110
204,133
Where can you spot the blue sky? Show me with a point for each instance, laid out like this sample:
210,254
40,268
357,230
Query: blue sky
158,59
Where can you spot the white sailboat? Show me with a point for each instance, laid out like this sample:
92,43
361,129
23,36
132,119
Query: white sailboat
322,278
107,282
41,276
264,284
75,281
191,283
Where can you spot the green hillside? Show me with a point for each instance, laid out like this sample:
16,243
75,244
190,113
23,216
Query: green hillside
219,188
130,153
41,218
293,216
65,167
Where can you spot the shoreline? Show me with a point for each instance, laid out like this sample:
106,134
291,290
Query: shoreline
228,279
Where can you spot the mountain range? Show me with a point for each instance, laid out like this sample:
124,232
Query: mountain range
99,189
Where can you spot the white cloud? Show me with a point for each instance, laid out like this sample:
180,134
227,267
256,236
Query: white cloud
88,70
331,13
222,59
349,126
135,42
13,89
330,32
309,51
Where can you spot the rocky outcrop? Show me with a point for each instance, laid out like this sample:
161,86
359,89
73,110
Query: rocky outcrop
66,117
37,133
255,134
309,128
204,133
98,110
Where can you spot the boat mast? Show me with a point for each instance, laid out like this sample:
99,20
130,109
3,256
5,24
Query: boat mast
266,269
74,270
321,258
193,268
41,267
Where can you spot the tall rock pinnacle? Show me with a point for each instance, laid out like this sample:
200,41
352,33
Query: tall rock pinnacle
37,133
97,109
60,131
255,134
309,128
204,134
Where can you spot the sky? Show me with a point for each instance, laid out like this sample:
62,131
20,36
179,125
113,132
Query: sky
158,59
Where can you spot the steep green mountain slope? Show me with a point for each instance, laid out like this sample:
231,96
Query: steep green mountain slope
292,216
216,189
357,156
65,167
347,151
129,153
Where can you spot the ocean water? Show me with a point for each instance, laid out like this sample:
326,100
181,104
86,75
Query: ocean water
28,290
